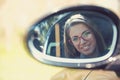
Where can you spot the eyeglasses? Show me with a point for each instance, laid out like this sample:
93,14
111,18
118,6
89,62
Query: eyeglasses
86,35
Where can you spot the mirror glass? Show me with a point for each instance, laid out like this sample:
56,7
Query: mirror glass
79,35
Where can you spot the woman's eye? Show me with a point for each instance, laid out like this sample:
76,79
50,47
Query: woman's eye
75,39
86,34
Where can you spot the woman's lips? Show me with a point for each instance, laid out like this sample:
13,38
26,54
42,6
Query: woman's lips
85,47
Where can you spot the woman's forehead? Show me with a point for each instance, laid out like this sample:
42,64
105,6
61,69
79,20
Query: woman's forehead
78,29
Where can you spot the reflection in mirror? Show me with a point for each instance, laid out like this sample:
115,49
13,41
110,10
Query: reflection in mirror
80,34
83,38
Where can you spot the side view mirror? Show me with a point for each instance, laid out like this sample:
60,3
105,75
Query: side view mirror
79,37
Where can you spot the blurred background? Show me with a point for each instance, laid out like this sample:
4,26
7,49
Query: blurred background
16,16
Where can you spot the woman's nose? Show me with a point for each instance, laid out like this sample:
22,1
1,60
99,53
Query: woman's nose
82,41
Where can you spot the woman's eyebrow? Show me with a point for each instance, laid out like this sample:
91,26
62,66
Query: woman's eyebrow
85,31
81,34
74,37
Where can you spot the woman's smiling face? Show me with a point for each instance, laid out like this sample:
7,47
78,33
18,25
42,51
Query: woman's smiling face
82,38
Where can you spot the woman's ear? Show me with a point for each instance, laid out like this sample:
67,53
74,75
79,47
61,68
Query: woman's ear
70,42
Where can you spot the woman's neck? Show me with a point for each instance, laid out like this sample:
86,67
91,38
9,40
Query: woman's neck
92,55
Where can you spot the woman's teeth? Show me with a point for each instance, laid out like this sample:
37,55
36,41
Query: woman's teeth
86,47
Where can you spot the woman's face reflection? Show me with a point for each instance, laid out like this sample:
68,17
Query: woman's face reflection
83,39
